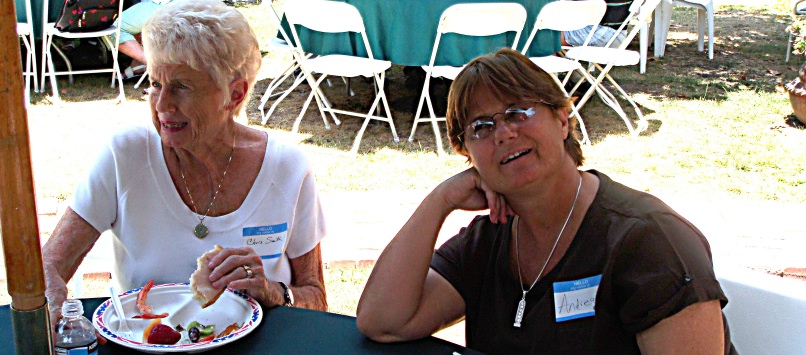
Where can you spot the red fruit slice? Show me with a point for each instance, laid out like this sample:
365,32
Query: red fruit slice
163,334
148,329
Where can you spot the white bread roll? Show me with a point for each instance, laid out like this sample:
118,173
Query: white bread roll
200,285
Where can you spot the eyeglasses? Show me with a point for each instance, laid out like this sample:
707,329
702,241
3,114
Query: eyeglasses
484,127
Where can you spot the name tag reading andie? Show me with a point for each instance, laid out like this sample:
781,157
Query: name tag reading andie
575,299
268,241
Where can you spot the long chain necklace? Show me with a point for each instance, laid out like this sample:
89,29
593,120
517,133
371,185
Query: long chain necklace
522,303
201,231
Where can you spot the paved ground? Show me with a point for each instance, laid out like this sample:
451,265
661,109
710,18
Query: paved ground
760,235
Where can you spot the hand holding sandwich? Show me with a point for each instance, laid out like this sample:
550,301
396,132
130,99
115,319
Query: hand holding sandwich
242,269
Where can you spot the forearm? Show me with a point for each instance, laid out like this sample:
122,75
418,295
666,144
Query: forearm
306,296
70,242
307,283
395,288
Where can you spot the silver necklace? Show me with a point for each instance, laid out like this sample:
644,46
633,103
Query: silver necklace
201,231
522,303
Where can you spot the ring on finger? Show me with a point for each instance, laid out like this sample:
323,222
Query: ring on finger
248,270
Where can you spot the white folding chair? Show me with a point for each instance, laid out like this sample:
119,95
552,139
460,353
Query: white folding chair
337,17
479,20
603,59
566,16
279,46
25,30
49,31
142,79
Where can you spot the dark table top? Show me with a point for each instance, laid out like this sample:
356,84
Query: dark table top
284,330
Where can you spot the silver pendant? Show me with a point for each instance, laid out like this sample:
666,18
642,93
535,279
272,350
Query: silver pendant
519,313
200,231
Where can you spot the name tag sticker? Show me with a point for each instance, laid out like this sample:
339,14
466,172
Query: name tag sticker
575,299
268,241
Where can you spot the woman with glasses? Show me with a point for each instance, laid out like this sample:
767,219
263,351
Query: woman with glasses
567,261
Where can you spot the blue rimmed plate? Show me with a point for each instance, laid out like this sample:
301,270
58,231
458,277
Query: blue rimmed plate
232,307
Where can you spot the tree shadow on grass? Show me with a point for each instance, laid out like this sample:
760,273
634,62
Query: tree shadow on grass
749,53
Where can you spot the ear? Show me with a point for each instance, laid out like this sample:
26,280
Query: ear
237,92
563,117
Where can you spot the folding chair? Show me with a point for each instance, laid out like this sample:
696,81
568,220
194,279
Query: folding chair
25,30
337,17
604,59
479,20
567,16
50,31
279,45
142,79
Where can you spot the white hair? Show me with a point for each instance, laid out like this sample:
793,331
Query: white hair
208,36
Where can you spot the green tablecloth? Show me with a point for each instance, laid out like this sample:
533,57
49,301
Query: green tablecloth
403,32
54,8
284,330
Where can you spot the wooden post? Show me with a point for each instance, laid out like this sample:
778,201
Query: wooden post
26,279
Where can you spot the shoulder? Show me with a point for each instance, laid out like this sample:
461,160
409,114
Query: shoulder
638,217
626,201
133,137
286,157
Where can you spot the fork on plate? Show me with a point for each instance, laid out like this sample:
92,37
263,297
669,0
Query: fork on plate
123,328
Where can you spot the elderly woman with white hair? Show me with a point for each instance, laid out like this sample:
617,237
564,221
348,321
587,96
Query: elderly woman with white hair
195,179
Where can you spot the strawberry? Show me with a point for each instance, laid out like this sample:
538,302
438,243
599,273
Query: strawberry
163,334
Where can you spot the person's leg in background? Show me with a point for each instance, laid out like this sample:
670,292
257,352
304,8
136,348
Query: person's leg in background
600,38
131,23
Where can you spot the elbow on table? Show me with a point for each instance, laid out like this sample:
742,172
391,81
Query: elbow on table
374,328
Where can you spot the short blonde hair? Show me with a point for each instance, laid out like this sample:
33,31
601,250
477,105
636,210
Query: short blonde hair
507,74
208,36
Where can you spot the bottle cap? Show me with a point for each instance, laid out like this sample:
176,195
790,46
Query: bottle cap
72,308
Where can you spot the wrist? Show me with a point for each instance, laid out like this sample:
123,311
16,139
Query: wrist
287,295
439,203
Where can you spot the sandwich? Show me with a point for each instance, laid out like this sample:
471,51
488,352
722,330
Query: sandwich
200,285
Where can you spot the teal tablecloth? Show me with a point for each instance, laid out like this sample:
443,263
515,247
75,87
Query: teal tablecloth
403,32
284,330
54,8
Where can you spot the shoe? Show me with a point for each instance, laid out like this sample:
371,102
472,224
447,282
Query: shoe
134,72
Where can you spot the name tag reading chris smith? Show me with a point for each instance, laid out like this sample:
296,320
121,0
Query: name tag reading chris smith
268,241
575,299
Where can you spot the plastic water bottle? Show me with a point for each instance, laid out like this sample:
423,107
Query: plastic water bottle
74,332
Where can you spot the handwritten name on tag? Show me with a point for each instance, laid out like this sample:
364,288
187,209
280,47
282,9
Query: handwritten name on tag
575,299
267,241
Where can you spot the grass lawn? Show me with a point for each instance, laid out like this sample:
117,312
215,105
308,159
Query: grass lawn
720,128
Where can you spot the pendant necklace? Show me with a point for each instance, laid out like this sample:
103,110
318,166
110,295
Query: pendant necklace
201,231
522,303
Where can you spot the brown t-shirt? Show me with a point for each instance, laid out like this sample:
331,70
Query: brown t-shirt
648,261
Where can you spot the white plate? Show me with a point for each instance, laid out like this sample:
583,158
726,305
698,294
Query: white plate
232,307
